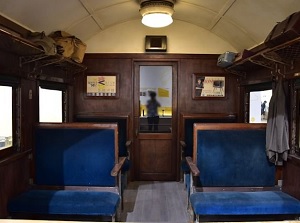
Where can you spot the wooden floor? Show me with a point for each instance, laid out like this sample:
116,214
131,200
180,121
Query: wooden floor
155,202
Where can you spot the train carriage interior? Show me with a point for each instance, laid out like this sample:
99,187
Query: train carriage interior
149,111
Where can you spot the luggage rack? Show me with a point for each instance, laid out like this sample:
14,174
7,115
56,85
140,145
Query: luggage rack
283,54
29,52
42,60
17,45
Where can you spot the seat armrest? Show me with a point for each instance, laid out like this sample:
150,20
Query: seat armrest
182,143
128,143
194,169
115,171
183,148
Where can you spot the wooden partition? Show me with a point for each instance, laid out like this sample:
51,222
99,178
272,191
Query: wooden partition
291,179
14,175
206,118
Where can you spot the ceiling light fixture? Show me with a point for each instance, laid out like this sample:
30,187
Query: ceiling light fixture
157,13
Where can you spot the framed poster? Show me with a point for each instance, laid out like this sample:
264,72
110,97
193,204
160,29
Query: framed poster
102,85
208,86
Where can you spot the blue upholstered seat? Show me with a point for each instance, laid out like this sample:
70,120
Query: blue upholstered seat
78,155
188,136
122,133
75,157
244,203
66,202
233,157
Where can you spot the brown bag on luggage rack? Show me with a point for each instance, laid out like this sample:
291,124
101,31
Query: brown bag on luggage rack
72,47
79,50
65,41
44,42
284,31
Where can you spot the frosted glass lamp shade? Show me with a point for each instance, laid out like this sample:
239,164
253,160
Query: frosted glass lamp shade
157,14
157,20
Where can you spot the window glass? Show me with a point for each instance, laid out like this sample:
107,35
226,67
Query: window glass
6,117
50,105
259,106
155,98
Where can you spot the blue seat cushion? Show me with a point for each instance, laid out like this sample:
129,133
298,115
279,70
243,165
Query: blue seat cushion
244,203
65,202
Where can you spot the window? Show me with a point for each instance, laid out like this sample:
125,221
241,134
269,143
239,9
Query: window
9,116
257,98
51,105
53,102
259,106
155,99
6,117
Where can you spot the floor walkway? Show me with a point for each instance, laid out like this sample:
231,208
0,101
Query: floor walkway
155,202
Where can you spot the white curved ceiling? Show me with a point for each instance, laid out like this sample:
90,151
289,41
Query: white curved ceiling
241,23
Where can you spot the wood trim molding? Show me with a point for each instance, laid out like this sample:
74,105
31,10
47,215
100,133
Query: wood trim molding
14,26
14,157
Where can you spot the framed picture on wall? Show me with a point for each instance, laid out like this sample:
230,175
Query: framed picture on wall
102,85
208,86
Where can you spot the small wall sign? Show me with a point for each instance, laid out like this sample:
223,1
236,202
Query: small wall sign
208,86
102,85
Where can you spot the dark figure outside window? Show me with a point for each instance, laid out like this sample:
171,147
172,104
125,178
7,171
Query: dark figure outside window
152,106
263,109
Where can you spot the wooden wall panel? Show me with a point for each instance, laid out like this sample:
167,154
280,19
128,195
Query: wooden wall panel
291,179
8,64
122,64
256,77
14,175
205,66
103,66
28,112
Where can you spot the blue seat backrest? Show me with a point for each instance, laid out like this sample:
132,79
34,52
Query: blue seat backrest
233,158
188,129
75,156
122,129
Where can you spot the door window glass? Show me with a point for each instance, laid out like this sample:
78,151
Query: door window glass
155,98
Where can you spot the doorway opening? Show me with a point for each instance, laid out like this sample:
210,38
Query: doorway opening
155,121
